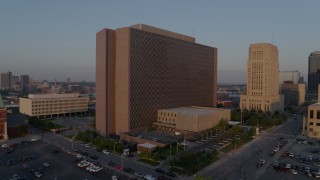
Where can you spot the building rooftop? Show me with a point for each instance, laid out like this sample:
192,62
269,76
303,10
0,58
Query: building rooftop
147,145
163,32
1,102
193,110
52,96
315,104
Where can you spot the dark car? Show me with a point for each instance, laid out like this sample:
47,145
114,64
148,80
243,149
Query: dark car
85,153
56,151
10,150
169,173
159,170
128,170
111,163
99,149
93,156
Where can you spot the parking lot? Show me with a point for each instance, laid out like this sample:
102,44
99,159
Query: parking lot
301,161
31,157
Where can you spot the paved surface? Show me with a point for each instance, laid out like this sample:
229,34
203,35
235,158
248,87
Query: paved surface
242,163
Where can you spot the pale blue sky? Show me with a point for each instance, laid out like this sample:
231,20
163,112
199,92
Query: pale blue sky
56,39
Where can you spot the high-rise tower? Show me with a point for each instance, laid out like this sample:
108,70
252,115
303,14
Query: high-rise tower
141,69
262,79
313,74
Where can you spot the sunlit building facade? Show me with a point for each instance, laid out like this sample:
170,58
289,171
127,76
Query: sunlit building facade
262,79
140,69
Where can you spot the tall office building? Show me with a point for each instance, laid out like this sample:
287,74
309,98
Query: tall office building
5,80
313,74
262,79
24,82
141,69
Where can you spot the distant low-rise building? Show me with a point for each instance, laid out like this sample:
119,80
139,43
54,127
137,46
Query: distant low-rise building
294,94
53,105
190,119
3,121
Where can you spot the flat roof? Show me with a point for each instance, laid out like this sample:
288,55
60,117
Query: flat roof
147,145
193,110
52,96
315,104
163,32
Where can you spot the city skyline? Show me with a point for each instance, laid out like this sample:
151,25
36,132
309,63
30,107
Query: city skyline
56,40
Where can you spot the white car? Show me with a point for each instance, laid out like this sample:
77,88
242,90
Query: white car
87,145
293,171
34,139
276,149
4,145
46,164
149,177
114,178
105,152
79,156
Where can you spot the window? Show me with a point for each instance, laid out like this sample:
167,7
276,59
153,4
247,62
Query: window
311,123
311,114
318,114
318,124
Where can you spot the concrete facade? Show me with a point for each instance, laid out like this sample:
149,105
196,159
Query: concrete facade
141,69
312,122
51,105
262,79
294,94
190,119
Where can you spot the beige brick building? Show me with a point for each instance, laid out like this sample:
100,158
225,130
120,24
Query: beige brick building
53,105
262,79
312,122
190,119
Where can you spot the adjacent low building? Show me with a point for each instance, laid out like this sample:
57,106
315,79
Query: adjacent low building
312,122
190,119
53,105
294,94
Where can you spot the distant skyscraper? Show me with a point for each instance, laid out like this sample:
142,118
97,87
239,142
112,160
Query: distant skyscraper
141,69
5,80
293,76
24,82
314,74
262,79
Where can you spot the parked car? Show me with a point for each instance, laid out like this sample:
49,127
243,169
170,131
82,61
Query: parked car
105,152
159,170
170,173
128,170
93,156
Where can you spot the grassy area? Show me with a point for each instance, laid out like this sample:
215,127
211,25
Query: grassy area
44,123
189,163
228,148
